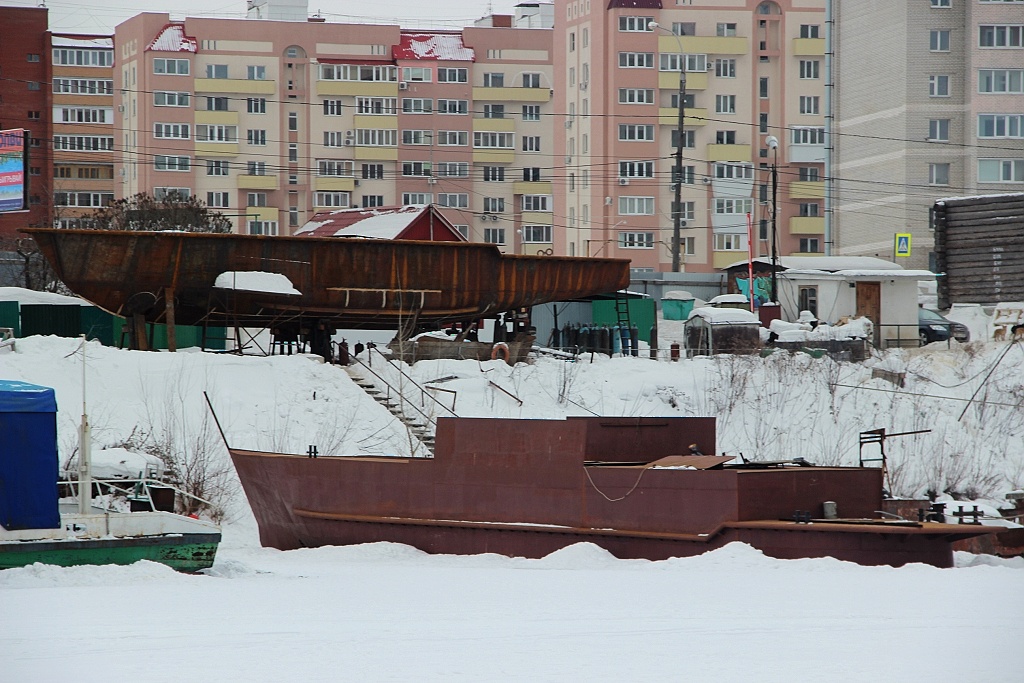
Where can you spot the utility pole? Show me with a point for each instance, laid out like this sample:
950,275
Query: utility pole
677,209
773,144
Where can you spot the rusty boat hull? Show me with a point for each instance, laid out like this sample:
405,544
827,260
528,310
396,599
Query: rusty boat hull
529,487
357,283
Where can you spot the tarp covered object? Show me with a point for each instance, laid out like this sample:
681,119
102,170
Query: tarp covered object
28,456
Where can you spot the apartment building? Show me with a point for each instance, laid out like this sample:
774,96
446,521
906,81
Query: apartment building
753,70
929,105
83,126
24,103
271,121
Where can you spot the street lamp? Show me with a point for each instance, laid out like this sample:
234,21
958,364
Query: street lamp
678,187
773,144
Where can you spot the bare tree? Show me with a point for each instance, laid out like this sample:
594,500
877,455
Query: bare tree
172,212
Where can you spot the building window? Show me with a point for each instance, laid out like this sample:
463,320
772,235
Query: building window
672,62
688,173
216,70
373,171
373,200
84,86
262,228
943,3
494,235
737,171
734,206
762,122
807,299
635,24
418,74
808,136
256,199
256,137
684,28
417,137
217,199
1008,81
810,68
762,87
1001,170
531,112
636,60
453,106
636,206
636,96
635,132
485,139
537,234
939,40
293,120
170,67
636,169
531,143
494,80
84,143
725,104
452,75
210,133
1001,126
416,169
216,167
494,111
256,73
177,131
938,174
293,151
256,168
334,168
537,202
216,104
727,241
494,174
938,130
725,29
373,137
636,240
531,80
293,216
809,209
689,138
810,31
1003,35
416,198
494,204
725,68
417,105
809,245
809,104
725,137
572,41
374,106
172,163
452,138
453,200
333,199
808,174
334,108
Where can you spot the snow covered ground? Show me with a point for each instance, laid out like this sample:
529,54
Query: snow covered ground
389,612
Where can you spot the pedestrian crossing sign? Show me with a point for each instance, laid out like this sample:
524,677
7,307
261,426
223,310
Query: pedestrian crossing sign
903,244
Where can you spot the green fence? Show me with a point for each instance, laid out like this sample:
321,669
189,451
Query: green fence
10,317
642,312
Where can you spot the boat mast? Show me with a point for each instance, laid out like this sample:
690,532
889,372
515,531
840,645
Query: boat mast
84,448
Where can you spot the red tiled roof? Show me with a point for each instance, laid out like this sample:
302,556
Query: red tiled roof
172,38
441,46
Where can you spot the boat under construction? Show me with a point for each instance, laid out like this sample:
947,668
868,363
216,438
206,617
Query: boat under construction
322,283
638,487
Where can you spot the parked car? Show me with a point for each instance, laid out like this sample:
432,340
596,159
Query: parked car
933,327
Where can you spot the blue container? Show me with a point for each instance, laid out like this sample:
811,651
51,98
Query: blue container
28,457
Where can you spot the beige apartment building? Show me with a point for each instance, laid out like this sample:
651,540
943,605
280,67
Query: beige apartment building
753,70
930,104
270,121
83,126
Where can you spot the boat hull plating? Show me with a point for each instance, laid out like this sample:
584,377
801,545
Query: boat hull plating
522,488
181,552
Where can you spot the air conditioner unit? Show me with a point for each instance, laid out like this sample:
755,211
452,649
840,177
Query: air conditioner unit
623,181
568,158
402,85
483,216
494,218
707,180
348,142
568,124
356,182
120,107
583,85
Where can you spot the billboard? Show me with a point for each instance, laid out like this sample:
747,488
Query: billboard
13,167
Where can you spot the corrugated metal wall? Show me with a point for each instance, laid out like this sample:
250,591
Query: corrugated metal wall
979,249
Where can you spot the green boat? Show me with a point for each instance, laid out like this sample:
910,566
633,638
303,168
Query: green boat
35,526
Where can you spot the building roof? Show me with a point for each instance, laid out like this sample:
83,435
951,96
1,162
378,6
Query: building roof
441,46
385,222
635,4
172,38
827,263
82,42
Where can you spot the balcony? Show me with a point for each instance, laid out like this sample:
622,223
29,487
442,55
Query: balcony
807,189
493,155
806,154
721,259
365,88
711,45
239,86
695,116
527,187
383,122
511,94
728,152
494,125
807,225
216,149
536,218
809,47
259,213
376,153
334,184
257,182
217,118
695,80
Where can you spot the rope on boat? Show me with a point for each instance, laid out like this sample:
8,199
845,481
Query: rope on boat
623,497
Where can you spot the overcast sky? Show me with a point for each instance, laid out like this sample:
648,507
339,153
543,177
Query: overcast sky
85,16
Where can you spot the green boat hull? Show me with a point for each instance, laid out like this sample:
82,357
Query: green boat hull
182,552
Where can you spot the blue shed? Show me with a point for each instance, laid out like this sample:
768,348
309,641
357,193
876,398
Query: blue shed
28,456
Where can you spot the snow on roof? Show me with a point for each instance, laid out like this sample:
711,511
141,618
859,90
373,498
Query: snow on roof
802,273
172,38
82,42
28,296
635,4
725,316
444,46
968,198
827,263
728,299
256,281
380,223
